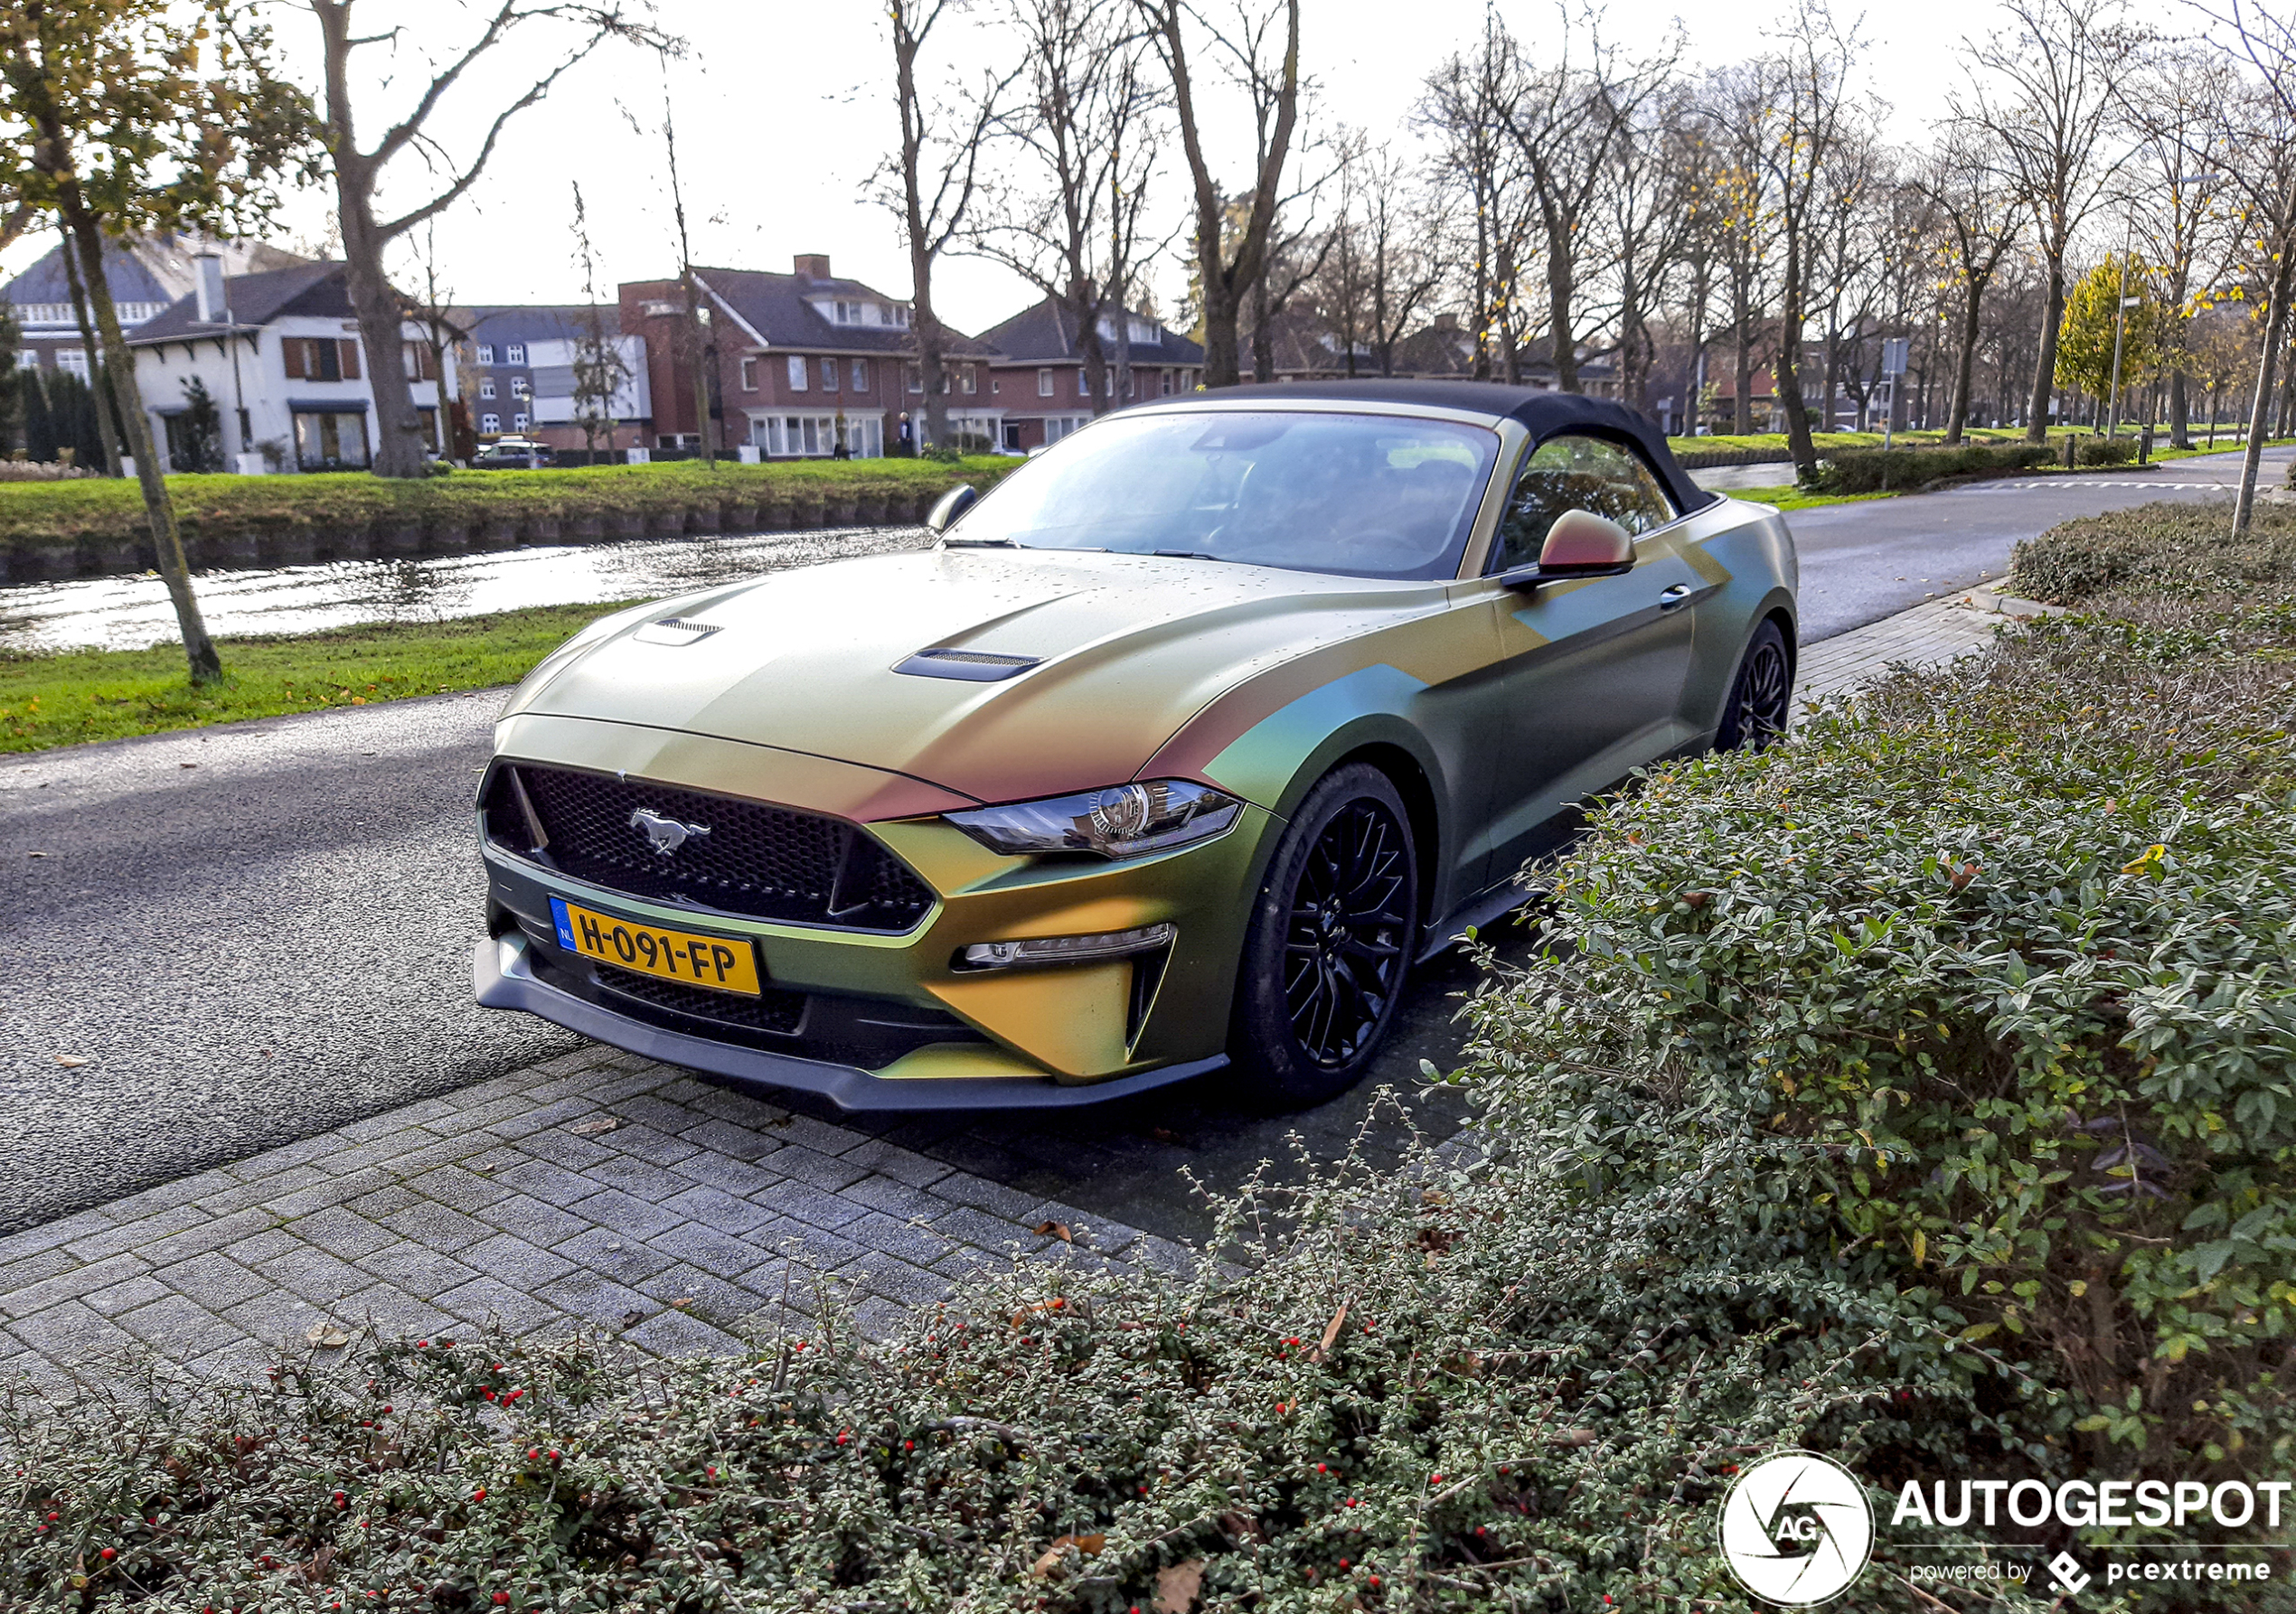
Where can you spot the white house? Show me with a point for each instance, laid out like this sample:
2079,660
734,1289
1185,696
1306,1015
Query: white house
280,354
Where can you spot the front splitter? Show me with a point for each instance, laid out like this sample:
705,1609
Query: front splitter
504,979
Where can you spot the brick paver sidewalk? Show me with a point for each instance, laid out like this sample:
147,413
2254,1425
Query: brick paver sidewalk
595,1190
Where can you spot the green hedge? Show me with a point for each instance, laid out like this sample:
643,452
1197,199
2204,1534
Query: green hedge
109,510
2179,550
1878,470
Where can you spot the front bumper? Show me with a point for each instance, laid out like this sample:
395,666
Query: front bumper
870,1018
505,978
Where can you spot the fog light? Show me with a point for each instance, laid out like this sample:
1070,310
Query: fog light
1064,950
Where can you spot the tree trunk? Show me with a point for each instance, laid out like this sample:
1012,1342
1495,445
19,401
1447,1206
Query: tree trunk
108,423
2036,429
1965,363
1562,341
1742,411
1788,374
705,361
167,538
2260,418
1263,338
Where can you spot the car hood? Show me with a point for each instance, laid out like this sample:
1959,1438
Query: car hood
1131,646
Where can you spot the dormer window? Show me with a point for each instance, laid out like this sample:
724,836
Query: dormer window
485,353
514,354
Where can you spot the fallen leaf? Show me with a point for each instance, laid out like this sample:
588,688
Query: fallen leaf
187,764
1177,1586
1058,1230
1571,1437
683,1302
593,1127
35,854
1086,1546
1331,1332
72,1061
631,1319
327,1335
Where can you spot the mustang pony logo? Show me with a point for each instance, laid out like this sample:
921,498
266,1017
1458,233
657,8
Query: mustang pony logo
665,835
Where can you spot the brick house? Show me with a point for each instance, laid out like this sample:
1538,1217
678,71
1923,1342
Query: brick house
516,364
280,355
1038,380
802,364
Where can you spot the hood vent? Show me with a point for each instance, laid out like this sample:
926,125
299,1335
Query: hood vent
675,630
972,666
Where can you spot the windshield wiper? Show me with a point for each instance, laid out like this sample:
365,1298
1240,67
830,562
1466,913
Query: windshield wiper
979,543
1185,555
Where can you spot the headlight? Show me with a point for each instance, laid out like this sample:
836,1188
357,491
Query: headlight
1124,821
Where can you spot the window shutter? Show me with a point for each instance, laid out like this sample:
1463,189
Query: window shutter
349,358
292,350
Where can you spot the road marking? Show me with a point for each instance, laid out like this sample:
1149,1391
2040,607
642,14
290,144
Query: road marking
2092,482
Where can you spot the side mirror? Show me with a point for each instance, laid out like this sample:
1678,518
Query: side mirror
1582,544
951,506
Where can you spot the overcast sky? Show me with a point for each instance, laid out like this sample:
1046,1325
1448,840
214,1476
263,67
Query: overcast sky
784,110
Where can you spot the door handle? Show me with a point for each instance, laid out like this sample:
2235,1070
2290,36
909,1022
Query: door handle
1674,597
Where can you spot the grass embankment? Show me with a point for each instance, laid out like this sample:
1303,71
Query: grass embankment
63,699
1790,497
98,514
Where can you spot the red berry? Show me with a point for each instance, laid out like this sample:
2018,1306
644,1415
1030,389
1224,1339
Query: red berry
1375,1580
497,1367
501,1597
341,1500
1434,1479
422,1345
108,1554
489,1393
446,1344
534,1454
1322,1469
1343,1564
479,1494
554,1456
712,1471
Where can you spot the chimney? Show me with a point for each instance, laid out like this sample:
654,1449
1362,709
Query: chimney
813,266
208,286
1446,323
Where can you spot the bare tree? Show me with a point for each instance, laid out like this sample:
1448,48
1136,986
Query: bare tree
1068,215
1381,266
600,370
1229,264
935,180
1469,106
1651,218
698,336
2044,102
2261,125
1736,106
2174,103
1568,127
1983,217
359,173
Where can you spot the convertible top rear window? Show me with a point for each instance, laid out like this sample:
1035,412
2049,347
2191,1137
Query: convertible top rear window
1364,496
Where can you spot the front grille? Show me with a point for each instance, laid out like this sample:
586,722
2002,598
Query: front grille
763,862
777,1011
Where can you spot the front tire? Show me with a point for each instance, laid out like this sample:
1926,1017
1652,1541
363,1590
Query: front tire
1761,695
1330,943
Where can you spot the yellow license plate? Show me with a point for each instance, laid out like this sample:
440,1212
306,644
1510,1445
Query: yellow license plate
720,963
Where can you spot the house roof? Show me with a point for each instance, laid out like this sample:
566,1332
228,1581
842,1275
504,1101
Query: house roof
150,269
1047,333
314,290
502,322
775,306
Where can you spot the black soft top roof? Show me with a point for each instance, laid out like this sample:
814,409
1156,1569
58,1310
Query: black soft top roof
1543,415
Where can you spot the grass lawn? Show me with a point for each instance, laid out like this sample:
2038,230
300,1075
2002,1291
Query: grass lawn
64,699
1793,498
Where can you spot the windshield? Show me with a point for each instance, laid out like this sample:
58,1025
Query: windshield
1368,495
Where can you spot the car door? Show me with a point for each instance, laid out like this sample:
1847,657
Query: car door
1594,671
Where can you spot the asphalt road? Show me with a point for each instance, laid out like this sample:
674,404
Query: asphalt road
247,935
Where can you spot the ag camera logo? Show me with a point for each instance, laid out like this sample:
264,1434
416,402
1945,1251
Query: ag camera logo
1796,1528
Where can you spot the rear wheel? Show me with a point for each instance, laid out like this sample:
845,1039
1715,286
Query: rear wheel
1330,941
1761,695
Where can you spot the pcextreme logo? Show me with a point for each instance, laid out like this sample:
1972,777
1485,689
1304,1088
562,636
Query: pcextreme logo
1796,1528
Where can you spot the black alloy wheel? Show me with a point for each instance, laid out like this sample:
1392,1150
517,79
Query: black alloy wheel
1330,941
1761,695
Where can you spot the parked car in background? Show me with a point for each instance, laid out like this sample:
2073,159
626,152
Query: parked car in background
1178,753
513,454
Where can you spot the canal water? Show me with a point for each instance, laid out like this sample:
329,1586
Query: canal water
130,613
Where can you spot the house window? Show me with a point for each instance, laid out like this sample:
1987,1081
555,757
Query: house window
490,423
518,421
829,375
485,353
796,373
516,353
330,441
486,386
1044,383
519,386
319,358
1084,387
917,378
972,382
749,375
421,362
860,375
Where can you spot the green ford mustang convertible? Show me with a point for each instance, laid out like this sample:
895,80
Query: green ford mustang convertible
1173,756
